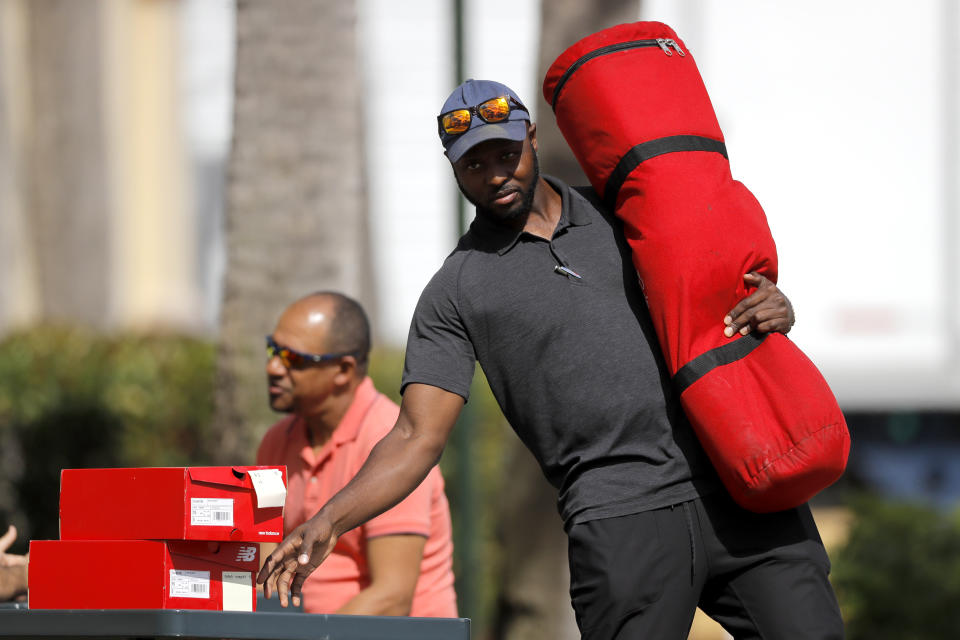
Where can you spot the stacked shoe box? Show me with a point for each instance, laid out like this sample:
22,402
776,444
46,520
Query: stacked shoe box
158,538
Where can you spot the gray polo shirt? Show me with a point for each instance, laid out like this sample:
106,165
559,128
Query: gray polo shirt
572,360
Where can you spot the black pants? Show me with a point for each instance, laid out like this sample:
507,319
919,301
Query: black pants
758,575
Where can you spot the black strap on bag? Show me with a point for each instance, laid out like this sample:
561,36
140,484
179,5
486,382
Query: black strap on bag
651,149
706,362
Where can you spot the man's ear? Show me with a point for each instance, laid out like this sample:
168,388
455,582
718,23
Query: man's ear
346,370
532,134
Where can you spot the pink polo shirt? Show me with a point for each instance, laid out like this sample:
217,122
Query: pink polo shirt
312,480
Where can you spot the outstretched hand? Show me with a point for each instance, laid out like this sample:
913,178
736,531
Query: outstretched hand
285,570
764,310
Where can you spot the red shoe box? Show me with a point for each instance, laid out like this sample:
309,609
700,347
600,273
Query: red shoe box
143,574
171,503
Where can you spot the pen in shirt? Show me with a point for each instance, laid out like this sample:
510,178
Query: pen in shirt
567,271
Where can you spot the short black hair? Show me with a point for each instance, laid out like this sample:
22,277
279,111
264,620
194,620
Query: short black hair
349,330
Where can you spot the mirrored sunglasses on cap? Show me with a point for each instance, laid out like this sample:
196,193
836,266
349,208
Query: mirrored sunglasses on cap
490,111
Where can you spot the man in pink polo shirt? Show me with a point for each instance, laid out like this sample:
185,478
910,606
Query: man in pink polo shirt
399,563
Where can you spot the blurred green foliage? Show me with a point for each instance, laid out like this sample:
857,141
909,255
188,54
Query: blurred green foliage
71,398
898,575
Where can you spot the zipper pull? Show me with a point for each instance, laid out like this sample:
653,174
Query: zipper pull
673,43
663,42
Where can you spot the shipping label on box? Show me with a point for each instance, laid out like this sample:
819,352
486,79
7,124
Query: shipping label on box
143,574
173,503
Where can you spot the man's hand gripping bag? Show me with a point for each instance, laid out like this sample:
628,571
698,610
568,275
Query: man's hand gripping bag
631,104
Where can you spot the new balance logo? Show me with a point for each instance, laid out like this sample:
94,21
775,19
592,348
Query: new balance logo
246,554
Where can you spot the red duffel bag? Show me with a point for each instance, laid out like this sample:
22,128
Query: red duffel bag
631,104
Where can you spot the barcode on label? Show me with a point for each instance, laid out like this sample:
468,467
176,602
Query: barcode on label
189,584
217,512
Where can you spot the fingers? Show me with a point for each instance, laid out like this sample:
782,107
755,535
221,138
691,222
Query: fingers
266,570
9,559
299,571
768,320
278,568
268,586
739,318
8,538
283,583
286,549
765,310
741,327
279,581
285,570
306,547
297,585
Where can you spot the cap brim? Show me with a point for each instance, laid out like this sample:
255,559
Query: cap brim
515,130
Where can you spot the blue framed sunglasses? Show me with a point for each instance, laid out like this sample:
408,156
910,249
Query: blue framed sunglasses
293,359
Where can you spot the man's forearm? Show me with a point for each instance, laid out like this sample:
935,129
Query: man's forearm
396,466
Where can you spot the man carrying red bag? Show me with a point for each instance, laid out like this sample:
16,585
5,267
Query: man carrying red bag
542,292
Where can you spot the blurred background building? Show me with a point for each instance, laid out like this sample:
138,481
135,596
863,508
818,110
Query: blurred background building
151,148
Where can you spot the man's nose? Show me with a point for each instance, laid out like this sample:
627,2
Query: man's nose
275,366
499,173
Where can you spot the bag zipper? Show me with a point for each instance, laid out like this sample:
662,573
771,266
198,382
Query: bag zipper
665,45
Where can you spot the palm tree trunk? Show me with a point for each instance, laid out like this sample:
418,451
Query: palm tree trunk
295,205
18,298
67,199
